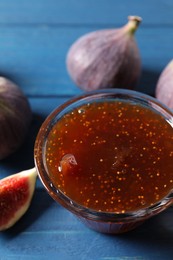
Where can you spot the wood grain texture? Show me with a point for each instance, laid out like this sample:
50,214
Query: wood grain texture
34,39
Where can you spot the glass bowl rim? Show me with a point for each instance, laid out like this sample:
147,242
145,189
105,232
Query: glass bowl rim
64,200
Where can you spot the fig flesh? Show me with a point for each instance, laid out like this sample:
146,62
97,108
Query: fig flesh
15,117
106,58
164,87
16,192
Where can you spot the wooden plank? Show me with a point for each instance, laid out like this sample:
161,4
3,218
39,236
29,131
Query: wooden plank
84,12
36,58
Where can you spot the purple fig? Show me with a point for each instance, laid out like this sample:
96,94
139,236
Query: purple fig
16,192
106,58
15,117
164,87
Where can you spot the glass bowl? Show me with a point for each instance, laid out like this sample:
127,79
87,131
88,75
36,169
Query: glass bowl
106,222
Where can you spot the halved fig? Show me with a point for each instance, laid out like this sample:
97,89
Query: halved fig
16,192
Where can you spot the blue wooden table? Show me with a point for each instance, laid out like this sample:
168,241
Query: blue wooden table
35,36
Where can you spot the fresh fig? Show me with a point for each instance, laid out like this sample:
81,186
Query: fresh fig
106,58
164,87
16,192
15,117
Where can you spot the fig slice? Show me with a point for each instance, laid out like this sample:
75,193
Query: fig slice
16,192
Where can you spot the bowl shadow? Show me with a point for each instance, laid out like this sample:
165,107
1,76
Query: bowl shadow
154,237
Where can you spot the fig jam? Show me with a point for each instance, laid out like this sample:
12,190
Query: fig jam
112,156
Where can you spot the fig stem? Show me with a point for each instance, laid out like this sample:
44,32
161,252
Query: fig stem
133,24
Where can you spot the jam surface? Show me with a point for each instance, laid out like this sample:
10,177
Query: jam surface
112,156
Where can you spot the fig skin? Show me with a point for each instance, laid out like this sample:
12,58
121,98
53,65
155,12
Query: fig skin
15,117
164,87
16,192
106,58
